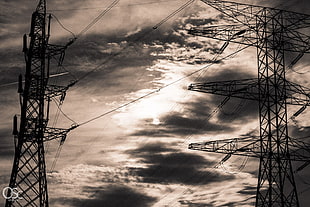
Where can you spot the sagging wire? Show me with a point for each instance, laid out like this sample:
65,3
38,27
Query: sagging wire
92,23
240,168
84,31
157,90
188,137
173,14
136,40
65,28
62,112
56,158
128,5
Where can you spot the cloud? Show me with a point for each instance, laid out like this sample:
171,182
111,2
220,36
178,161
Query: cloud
126,74
174,167
300,6
80,184
194,119
110,196
300,132
200,115
212,194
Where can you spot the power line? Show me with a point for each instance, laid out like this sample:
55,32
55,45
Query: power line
173,13
63,26
157,90
92,23
128,5
137,39
106,61
149,94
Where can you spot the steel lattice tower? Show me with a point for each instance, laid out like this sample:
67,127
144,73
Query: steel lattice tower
29,169
273,32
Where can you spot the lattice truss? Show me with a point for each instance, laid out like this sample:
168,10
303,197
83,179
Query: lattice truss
273,32
29,170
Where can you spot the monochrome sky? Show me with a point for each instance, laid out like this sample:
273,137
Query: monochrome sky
137,155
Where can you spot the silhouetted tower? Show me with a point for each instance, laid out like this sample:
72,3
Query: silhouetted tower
29,170
273,32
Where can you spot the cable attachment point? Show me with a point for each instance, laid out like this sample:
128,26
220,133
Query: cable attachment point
71,41
73,126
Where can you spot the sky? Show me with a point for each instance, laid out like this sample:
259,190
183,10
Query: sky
138,155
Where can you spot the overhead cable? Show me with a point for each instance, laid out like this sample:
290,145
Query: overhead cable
157,90
128,5
92,23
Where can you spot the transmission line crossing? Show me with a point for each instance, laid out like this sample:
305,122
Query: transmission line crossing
242,166
111,58
221,164
59,22
92,23
76,125
119,107
155,91
116,54
128,5
244,162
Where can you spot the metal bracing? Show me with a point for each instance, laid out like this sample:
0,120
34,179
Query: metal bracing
276,185
248,89
250,146
241,34
246,14
29,170
273,32
28,174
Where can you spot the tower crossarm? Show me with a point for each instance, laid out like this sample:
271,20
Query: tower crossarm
55,90
277,31
246,14
250,146
293,41
236,33
52,133
248,89
247,146
54,51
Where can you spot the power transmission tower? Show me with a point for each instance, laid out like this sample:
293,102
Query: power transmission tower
29,169
273,32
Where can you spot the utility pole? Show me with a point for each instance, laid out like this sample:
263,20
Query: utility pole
29,170
273,32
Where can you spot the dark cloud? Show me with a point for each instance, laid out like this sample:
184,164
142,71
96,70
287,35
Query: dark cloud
110,196
248,190
300,132
197,123
174,167
300,6
200,22
109,63
195,204
194,120
235,110
239,111
6,143
12,64
196,114
15,18
233,72
153,148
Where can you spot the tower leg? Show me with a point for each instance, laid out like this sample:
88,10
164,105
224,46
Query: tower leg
276,185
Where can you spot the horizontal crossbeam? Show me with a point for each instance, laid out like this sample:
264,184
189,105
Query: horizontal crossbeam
249,89
250,146
293,41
